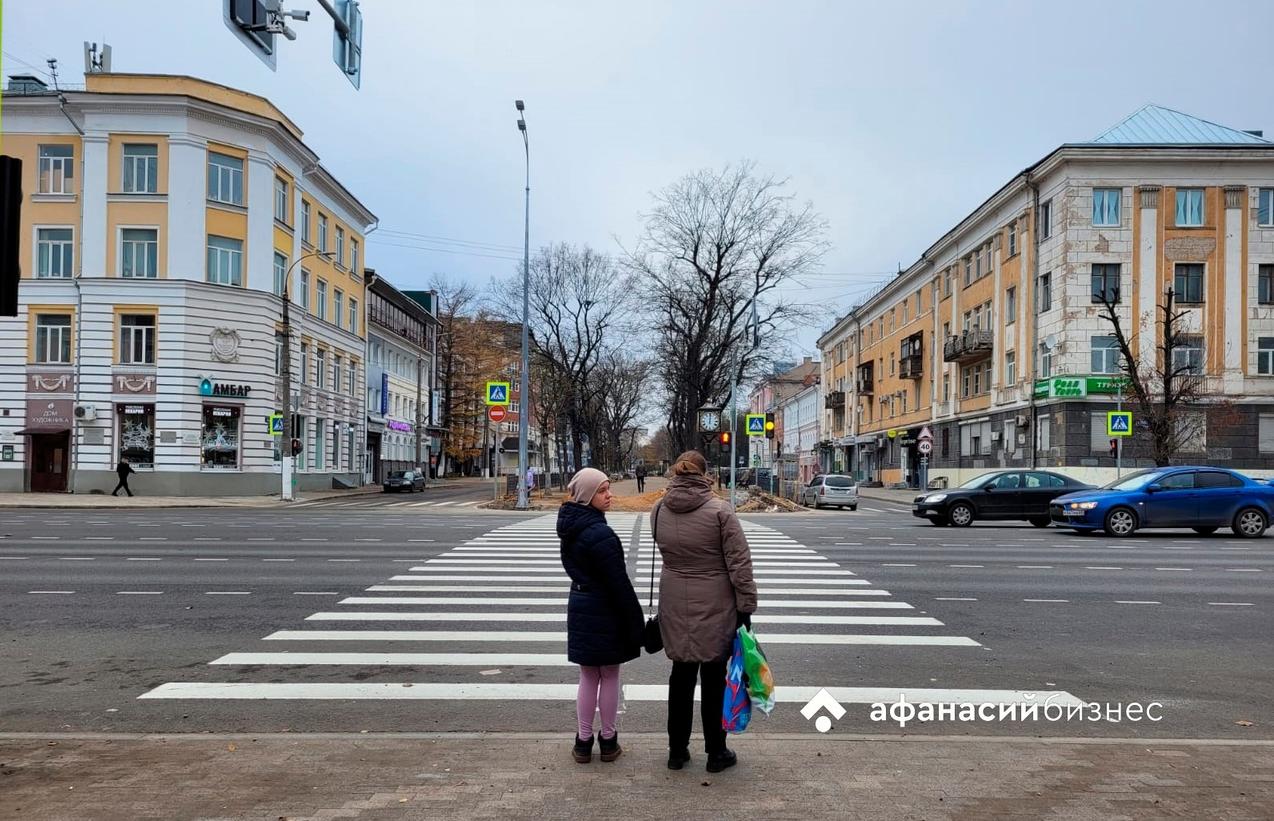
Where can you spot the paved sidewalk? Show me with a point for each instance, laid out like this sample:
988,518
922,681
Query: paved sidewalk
105,500
885,494
516,776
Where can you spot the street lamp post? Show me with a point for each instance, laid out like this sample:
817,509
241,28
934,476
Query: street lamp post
524,401
285,446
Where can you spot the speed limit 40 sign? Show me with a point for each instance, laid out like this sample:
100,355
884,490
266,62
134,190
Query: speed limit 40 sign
925,447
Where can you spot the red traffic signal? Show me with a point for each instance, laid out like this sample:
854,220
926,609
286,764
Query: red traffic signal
296,447
725,437
1114,448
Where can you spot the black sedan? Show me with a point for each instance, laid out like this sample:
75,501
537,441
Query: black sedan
1001,494
408,480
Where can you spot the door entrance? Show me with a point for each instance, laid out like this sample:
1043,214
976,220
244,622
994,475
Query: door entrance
49,457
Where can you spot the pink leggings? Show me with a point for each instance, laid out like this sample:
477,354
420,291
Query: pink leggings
598,689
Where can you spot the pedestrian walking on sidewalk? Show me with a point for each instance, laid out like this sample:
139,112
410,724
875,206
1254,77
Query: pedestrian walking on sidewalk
123,470
604,619
641,478
706,591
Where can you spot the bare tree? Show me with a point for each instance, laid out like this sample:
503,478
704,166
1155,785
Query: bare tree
1167,390
622,386
714,242
456,301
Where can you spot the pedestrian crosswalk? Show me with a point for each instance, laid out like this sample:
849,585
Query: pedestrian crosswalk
388,500
496,605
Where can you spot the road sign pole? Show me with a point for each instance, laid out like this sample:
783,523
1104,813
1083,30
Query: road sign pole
1119,445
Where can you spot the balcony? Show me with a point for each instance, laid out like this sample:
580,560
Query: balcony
866,386
967,346
911,367
834,400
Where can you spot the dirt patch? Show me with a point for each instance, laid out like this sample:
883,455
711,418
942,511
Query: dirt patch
759,501
637,503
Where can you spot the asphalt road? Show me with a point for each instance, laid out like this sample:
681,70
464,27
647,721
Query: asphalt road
113,621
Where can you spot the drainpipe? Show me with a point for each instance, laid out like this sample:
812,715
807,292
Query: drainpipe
1035,314
79,297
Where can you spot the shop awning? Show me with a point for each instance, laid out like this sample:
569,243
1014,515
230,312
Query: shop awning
33,431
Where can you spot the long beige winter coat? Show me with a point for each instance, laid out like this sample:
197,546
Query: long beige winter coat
707,574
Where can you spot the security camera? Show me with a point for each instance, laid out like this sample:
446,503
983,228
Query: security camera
300,15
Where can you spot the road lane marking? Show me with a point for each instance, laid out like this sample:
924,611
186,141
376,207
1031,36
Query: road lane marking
1133,601
1048,601
897,564
139,593
153,539
560,637
76,558
314,593
1178,569
1243,570
1102,567
395,659
143,559
13,558
561,602
953,598
50,592
278,560
344,560
212,560
966,565
1231,604
1034,567
228,593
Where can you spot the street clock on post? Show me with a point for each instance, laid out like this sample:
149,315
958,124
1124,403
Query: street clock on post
709,420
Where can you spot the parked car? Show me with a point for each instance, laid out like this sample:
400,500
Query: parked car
831,490
1201,498
408,480
1000,494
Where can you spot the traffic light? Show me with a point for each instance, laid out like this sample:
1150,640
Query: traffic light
769,426
725,437
1114,448
296,447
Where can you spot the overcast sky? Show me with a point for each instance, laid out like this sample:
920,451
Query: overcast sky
894,119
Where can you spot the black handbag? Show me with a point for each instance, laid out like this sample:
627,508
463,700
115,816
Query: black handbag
651,639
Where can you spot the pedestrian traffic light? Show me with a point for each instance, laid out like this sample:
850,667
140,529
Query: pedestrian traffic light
1114,448
769,426
296,447
725,437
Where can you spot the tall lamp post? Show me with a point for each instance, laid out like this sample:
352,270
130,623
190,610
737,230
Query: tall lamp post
524,399
285,446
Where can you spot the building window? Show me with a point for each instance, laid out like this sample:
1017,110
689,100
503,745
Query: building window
1010,306
353,315
55,253
305,289
322,231
1187,282
1265,433
946,387
1046,361
968,271
281,200
137,339
1106,207
1044,293
1098,441
1189,207
1013,238
1265,356
141,168
305,363
337,362
56,169
1265,284
1046,219
225,261
280,273
338,307
1187,356
320,302
1043,432
305,222
137,434
320,369
225,178
353,258
320,442
1265,207
52,339
1105,354
340,246
351,372
139,253
1010,368
1105,283
220,438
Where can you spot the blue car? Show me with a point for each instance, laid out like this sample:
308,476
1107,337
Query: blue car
1201,498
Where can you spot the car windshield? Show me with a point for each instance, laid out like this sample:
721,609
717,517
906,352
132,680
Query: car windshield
838,481
979,481
396,474
1135,481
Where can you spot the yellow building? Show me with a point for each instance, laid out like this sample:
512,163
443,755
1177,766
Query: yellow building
162,219
993,340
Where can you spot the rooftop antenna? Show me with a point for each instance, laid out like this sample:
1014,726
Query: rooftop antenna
95,61
53,71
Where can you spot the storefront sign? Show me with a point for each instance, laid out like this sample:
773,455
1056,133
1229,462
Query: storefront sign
1070,387
209,388
384,393
49,414
6,453
401,427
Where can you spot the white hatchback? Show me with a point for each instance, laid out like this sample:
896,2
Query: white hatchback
831,491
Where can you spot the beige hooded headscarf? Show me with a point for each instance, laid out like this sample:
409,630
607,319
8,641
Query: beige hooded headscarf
583,486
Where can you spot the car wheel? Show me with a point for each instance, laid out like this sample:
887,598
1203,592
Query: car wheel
960,515
1204,531
817,506
1041,521
1250,523
853,507
1121,522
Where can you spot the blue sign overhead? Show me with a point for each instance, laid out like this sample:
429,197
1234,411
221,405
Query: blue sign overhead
384,393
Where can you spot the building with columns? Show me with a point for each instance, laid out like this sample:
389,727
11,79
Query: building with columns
993,338
164,217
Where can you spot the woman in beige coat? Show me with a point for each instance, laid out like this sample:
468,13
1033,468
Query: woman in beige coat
705,592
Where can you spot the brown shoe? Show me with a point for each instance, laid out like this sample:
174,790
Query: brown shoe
582,752
610,749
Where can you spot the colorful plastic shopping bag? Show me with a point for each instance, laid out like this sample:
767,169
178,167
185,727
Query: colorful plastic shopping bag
736,709
756,668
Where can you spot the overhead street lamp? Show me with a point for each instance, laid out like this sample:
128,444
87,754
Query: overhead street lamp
524,399
285,446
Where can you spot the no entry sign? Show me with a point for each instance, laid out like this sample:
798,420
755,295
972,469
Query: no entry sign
496,413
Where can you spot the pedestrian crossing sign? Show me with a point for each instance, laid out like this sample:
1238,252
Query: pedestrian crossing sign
756,424
276,423
1119,423
497,393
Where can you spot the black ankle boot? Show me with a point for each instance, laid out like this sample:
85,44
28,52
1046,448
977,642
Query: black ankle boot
610,749
678,758
583,750
722,760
